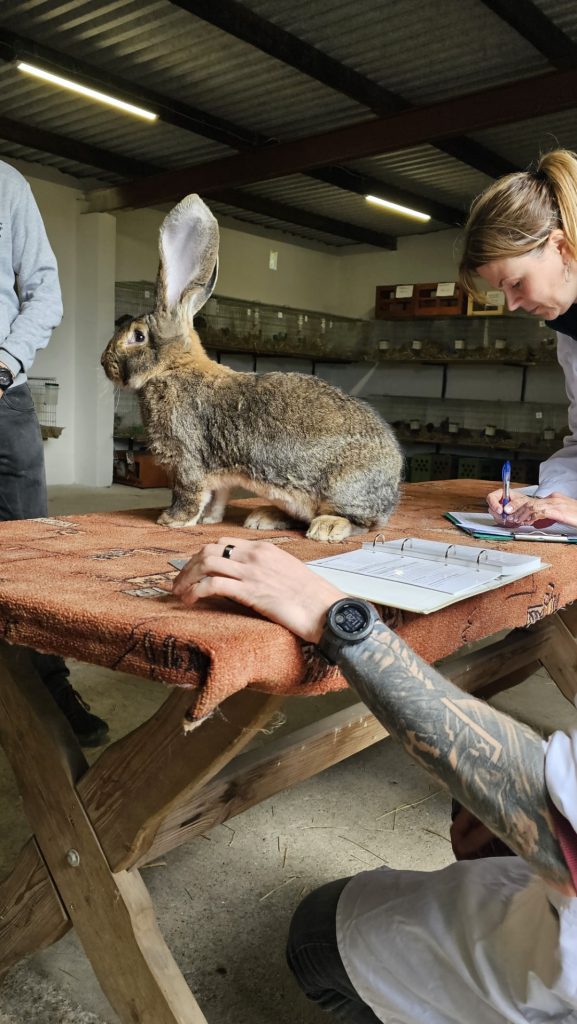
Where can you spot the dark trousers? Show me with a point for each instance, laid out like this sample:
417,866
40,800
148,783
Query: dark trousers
313,956
23,491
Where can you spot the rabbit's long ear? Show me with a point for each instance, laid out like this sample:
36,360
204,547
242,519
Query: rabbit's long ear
188,268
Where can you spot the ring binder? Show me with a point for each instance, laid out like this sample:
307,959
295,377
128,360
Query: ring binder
422,575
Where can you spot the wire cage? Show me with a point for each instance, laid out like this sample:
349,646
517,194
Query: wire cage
240,325
127,419
44,391
237,324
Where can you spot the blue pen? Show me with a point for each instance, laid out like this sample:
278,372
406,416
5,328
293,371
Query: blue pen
506,478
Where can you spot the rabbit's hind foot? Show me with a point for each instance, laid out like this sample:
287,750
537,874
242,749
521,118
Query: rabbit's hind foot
269,518
332,529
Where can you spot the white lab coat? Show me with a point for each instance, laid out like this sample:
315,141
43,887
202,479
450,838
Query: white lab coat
479,942
559,472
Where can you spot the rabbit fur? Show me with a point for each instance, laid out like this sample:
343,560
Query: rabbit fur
318,455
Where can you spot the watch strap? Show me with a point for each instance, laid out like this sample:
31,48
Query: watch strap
6,378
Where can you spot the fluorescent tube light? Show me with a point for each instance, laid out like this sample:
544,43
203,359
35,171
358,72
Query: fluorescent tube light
84,90
405,210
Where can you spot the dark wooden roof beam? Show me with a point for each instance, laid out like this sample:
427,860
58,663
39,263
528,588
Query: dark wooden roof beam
533,25
237,20
13,48
305,218
72,149
362,184
505,104
475,155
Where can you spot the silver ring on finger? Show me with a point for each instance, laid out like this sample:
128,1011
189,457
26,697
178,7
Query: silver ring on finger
228,551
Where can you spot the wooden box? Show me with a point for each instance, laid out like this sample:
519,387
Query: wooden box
139,469
490,308
389,307
428,303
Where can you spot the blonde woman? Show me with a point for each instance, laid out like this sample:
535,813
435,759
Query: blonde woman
521,237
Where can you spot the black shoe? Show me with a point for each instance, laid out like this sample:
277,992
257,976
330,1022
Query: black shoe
89,729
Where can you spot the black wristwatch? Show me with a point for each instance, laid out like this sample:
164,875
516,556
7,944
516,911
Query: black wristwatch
349,621
6,378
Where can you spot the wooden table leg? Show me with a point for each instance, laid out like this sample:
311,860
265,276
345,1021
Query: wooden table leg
32,914
136,782
112,913
560,658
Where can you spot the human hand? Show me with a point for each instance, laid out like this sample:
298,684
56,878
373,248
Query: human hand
542,512
516,498
261,576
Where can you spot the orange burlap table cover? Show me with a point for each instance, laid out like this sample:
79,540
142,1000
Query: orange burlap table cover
97,588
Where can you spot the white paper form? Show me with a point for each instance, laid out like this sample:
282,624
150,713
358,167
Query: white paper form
446,577
483,522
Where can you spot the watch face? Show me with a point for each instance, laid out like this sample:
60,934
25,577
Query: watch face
351,618
6,379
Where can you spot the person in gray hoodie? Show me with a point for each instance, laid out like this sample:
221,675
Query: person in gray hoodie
30,308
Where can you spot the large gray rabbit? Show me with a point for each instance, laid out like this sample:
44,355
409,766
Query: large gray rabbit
319,456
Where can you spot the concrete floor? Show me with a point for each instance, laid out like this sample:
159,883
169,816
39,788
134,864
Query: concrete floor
224,901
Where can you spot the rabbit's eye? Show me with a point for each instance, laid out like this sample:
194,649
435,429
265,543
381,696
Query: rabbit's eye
139,337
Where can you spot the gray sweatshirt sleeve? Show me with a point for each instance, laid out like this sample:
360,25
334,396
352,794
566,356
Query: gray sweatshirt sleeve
36,271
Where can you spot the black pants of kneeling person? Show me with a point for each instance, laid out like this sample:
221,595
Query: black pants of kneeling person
313,956
23,496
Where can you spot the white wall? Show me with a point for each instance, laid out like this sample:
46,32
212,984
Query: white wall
60,208
94,393
418,258
305,277
325,281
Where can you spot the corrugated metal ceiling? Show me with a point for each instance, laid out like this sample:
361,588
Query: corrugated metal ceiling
421,52
426,51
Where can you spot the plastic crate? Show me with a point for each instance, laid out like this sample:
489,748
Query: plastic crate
525,471
469,468
418,467
443,466
389,307
490,469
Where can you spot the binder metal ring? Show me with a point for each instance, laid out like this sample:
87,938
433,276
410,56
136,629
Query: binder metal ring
483,552
406,541
451,546
382,536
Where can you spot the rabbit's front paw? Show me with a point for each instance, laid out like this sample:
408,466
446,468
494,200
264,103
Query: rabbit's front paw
331,529
268,518
167,518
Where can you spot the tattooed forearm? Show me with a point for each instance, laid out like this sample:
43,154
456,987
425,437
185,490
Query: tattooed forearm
492,764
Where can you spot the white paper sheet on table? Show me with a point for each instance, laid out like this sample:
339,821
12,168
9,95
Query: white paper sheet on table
482,524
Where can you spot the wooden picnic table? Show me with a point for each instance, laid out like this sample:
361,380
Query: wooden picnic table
97,588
